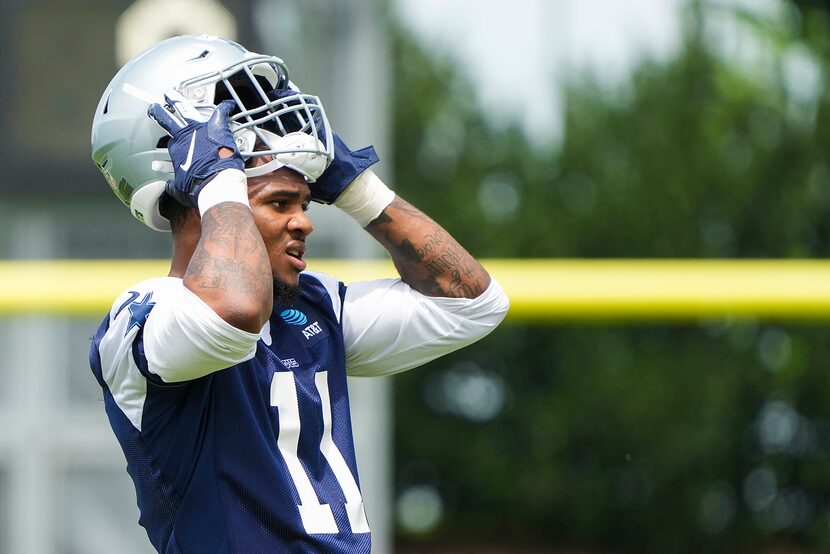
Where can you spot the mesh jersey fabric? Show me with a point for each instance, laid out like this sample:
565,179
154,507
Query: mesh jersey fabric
208,463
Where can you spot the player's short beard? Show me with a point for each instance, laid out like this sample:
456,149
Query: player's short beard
285,294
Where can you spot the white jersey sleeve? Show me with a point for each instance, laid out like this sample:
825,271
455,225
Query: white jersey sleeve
388,327
183,337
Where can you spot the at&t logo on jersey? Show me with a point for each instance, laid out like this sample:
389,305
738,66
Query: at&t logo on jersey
294,317
312,330
311,333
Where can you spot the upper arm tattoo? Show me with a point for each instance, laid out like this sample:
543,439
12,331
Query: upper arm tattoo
427,257
230,256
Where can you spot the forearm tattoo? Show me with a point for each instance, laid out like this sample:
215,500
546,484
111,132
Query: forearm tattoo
230,255
426,256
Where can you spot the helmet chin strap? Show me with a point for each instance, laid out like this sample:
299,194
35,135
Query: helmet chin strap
265,168
298,151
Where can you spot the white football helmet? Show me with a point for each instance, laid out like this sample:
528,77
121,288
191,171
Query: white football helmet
130,149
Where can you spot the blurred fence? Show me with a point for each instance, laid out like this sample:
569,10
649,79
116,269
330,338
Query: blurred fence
539,290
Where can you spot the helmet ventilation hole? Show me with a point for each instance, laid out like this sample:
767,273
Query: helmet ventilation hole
107,103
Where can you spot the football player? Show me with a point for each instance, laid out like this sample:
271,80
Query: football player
225,381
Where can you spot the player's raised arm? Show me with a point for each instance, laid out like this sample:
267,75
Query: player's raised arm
444,299
229,269
426,256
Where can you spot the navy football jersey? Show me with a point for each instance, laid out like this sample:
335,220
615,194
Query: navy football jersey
242,442
258,457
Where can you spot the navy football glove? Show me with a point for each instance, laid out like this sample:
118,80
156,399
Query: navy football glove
340,173
345,167
195,140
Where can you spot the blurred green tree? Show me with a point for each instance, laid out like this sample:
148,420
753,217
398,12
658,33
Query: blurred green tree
680,438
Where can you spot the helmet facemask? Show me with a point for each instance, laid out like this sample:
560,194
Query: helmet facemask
271,117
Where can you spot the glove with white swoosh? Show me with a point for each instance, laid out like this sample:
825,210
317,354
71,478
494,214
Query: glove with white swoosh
195,141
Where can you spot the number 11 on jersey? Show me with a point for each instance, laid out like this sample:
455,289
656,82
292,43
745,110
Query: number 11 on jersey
317,517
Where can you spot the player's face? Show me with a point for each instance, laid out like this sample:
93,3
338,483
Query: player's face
279,201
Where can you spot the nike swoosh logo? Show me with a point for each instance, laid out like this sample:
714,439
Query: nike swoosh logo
186,165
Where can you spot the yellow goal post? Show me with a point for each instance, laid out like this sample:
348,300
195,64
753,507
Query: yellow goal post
540,290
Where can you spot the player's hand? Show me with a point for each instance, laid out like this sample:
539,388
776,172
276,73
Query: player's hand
340,173
345,167
200,145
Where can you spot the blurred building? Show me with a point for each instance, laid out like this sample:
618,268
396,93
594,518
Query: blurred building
63,488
